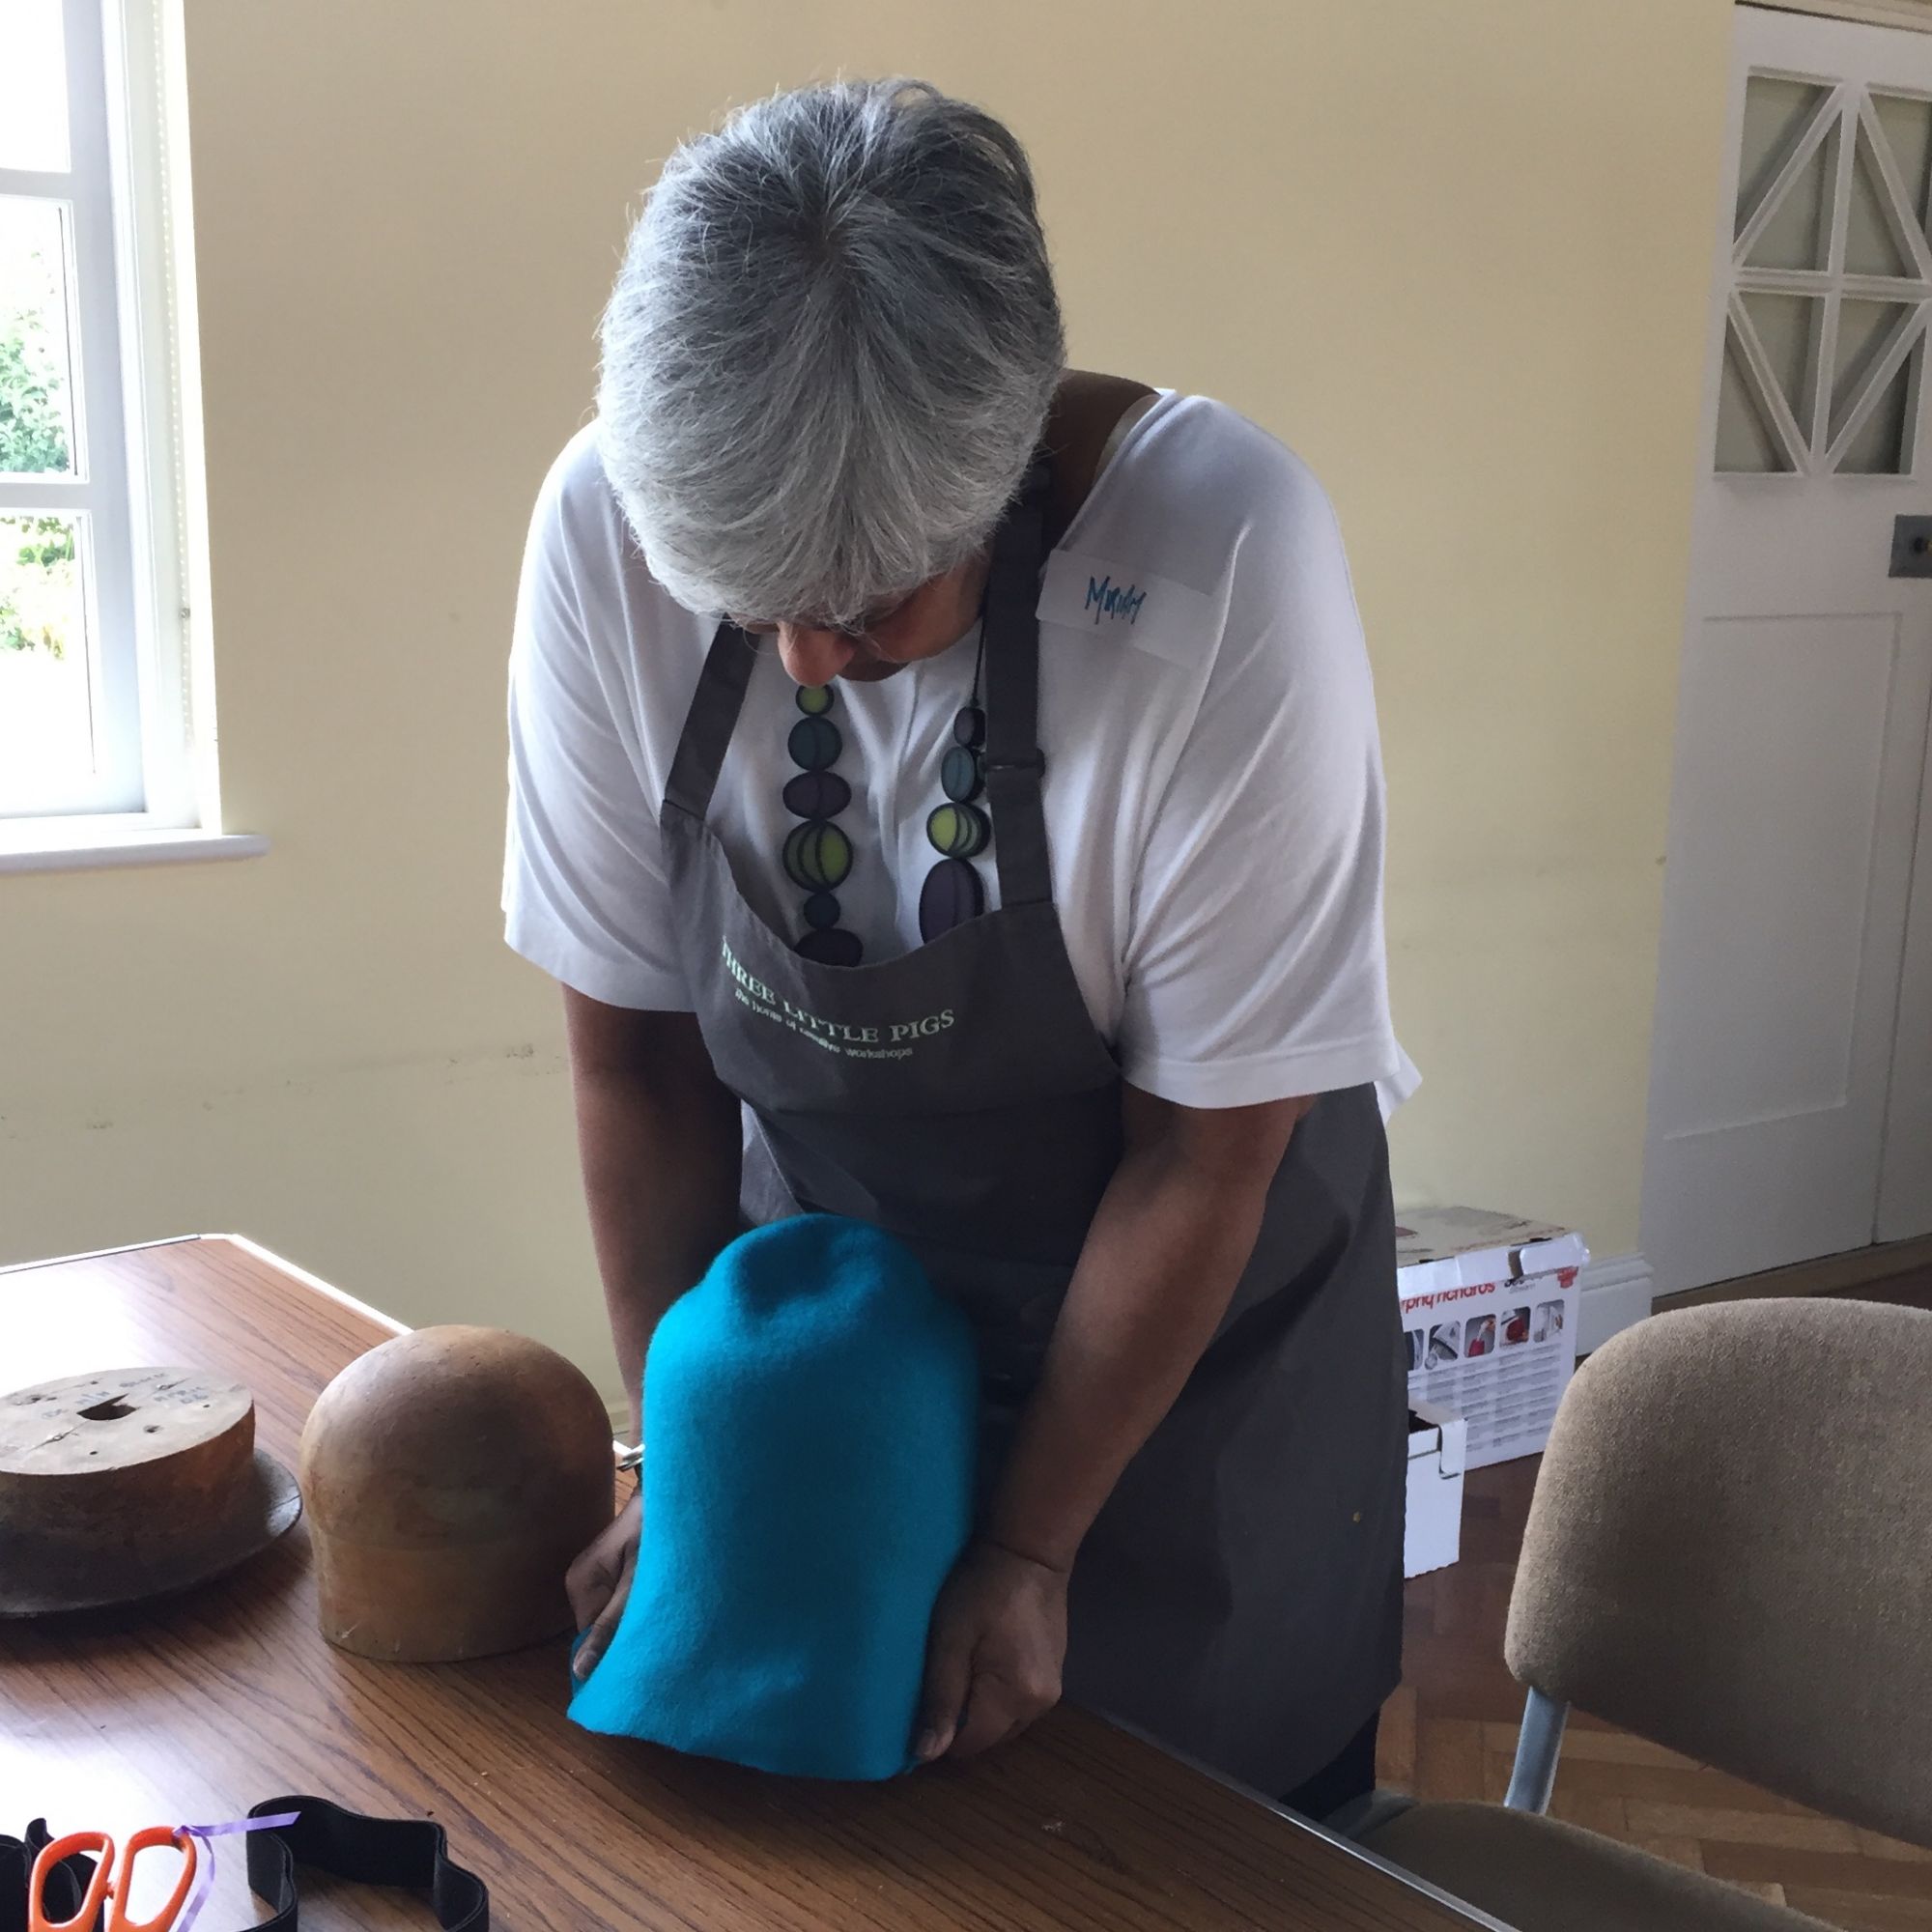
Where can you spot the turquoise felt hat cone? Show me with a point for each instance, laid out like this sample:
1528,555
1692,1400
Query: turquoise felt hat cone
809,1418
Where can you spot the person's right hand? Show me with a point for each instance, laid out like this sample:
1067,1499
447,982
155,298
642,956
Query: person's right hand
599,1584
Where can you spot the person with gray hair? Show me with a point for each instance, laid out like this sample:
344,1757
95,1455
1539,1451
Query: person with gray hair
946,785
829,354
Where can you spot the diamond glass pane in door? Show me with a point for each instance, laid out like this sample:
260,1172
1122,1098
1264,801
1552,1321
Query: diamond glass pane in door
1866,332
1883,443
1874,241
1907,127
33,86
1780,117
1787,328
1748,443
36,362
46,698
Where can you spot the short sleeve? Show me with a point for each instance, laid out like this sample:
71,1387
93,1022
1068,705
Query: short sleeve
584,895
1256,967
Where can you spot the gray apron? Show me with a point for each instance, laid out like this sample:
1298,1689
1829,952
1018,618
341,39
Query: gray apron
1239,1597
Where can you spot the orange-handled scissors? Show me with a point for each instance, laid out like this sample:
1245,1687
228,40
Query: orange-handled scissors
109,1882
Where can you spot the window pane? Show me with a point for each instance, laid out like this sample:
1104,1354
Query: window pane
46,711
1866,330
1908,127
1875,226
1779,115
33,85
1788,326
1882,444
1747,443
1798,232
36,385
1883,447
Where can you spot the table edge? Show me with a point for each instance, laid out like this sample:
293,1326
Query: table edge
1412,1880
249,1245
99,1254
296,1272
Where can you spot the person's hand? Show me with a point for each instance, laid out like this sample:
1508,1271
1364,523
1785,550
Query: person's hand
994,1656
599,1584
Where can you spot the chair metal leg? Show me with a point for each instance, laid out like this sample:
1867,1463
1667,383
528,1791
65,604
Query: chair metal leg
1537,1747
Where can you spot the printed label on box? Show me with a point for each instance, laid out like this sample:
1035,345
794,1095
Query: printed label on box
1499,1352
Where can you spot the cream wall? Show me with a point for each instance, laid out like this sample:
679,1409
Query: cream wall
1454,254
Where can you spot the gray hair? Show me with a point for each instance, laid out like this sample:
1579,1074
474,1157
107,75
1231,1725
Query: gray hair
829,351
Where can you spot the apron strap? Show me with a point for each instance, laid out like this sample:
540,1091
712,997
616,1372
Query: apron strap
1014,765
713,717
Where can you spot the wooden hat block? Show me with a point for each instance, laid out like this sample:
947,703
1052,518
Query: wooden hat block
130,1484
452,1476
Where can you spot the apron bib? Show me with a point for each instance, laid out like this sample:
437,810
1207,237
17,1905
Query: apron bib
1239,1597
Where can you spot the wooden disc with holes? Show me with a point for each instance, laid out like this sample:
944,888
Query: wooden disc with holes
128,1484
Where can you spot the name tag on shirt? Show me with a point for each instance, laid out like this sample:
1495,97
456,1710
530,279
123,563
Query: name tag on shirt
1153,613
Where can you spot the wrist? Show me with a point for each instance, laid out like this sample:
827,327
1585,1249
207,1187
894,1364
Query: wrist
1037,1552
1038,1521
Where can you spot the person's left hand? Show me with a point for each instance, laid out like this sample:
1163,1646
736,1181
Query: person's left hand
994,1655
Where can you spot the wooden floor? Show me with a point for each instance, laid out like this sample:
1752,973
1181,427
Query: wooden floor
1450,1732
1898,1271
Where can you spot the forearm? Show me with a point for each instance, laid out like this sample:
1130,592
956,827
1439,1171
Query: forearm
658,1140
1161,1261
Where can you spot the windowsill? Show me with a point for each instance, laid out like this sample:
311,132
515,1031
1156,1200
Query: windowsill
43,846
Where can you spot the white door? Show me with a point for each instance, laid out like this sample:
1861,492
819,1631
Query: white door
1791,1081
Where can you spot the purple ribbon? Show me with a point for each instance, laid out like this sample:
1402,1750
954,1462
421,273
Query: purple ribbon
208,1834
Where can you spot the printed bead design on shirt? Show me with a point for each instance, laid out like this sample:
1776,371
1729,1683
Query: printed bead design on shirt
831,946
962,773
958,831
817,795
952,894
818,856
814,743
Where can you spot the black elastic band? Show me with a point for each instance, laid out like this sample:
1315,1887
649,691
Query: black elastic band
412,1852
67,1882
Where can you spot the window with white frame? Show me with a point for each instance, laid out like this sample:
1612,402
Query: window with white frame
97,424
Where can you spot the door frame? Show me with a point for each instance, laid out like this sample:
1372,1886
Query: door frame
1916,15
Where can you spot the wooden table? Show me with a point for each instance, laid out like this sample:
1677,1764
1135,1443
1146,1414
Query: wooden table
192,1709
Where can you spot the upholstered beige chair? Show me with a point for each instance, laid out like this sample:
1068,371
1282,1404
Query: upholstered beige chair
1729,1552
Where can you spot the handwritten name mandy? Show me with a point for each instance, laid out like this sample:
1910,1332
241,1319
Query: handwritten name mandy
1107,599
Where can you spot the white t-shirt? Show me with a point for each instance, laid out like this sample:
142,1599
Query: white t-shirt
1213,790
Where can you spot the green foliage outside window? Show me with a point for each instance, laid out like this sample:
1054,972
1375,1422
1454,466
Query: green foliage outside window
37,564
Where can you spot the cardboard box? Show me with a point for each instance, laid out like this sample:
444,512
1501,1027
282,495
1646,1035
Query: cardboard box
1488,1313
1432,1536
